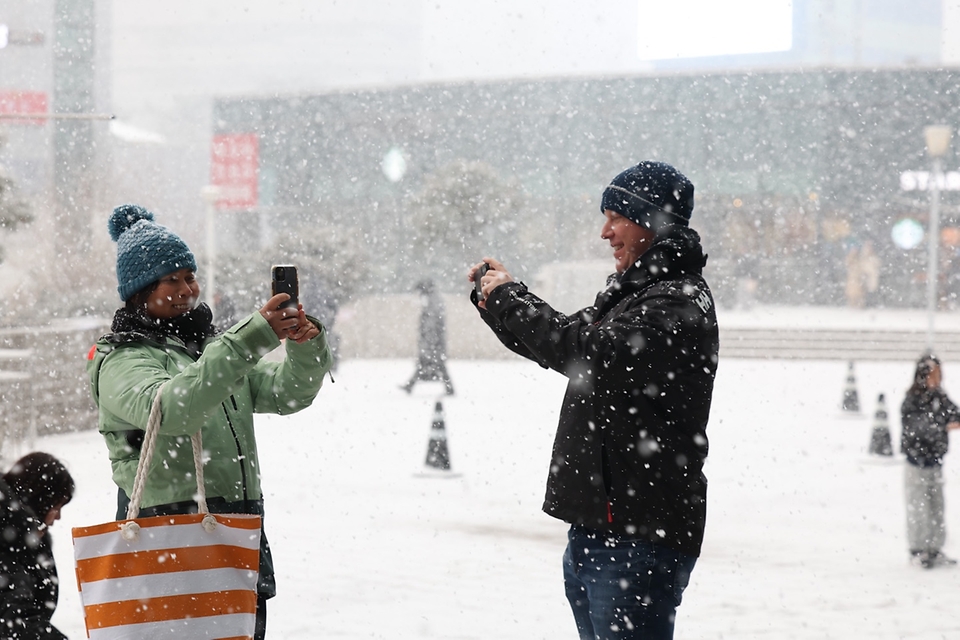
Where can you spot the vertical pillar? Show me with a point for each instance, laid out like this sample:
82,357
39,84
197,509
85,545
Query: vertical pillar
74,175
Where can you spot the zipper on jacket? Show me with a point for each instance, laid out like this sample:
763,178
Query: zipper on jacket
605,471
240,456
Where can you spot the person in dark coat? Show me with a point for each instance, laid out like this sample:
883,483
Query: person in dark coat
432,342
32,494
926,415
627,463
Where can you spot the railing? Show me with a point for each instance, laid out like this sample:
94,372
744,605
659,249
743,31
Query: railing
43,382
12,373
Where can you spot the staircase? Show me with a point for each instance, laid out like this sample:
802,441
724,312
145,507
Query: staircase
834,344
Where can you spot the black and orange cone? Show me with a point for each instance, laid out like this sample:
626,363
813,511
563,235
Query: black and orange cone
438,456
851,401
880,443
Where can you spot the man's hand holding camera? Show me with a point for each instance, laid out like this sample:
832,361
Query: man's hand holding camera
488,279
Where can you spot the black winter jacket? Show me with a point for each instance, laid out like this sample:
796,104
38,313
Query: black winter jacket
631,442
29,588
924,419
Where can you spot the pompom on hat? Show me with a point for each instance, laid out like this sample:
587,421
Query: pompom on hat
652,194
146,251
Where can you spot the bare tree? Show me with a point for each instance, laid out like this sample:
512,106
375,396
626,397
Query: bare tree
332,262
464,211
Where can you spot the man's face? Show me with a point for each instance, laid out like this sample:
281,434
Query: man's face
628,240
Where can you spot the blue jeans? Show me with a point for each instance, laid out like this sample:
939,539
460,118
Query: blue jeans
622,588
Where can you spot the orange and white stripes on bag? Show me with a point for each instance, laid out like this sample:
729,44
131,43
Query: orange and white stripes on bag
179,576
175,579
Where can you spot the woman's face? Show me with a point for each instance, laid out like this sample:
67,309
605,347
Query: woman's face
176,294
935,377
53,515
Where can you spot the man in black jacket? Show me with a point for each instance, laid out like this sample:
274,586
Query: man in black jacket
628,456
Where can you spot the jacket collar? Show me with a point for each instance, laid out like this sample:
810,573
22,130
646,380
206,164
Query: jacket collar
676,250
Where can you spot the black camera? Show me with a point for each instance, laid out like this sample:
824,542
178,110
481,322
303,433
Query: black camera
476,279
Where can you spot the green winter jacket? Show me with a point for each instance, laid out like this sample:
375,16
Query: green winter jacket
218,393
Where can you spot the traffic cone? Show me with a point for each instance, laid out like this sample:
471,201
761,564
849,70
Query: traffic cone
851,401
880,438
438,457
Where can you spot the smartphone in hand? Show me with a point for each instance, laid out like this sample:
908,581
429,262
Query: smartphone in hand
284,280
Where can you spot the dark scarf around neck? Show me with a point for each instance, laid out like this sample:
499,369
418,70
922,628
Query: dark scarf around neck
192,327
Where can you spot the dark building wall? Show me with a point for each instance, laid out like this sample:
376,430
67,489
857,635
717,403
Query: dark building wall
809,160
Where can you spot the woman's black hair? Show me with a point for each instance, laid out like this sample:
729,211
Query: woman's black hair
927,362
41,482
138,301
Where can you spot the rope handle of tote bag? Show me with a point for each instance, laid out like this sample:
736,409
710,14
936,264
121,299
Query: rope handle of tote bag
143,468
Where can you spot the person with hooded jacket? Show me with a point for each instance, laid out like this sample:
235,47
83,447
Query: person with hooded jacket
626,471
163,342
927,413
32,493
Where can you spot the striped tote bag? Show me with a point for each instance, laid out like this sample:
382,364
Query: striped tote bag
180,576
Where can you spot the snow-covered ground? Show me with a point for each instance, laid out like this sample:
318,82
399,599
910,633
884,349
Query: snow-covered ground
805,532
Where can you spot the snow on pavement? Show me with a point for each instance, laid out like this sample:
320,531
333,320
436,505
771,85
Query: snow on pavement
805,531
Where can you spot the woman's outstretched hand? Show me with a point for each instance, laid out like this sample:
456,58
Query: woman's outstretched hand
287,322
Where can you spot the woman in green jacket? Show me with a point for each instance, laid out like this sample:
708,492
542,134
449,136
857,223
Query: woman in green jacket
211,382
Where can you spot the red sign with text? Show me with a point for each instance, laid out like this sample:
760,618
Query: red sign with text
15,102
234,167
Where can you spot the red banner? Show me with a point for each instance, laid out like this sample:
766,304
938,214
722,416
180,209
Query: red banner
234,167
14,102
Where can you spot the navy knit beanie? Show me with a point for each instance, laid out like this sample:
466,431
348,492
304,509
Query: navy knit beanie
652,194
146,251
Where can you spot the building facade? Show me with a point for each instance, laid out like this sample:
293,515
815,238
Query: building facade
795,171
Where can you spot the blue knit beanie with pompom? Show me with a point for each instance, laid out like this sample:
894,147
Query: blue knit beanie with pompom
146,251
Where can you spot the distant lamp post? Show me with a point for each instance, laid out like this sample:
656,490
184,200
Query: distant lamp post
937,138
394,165
209,194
